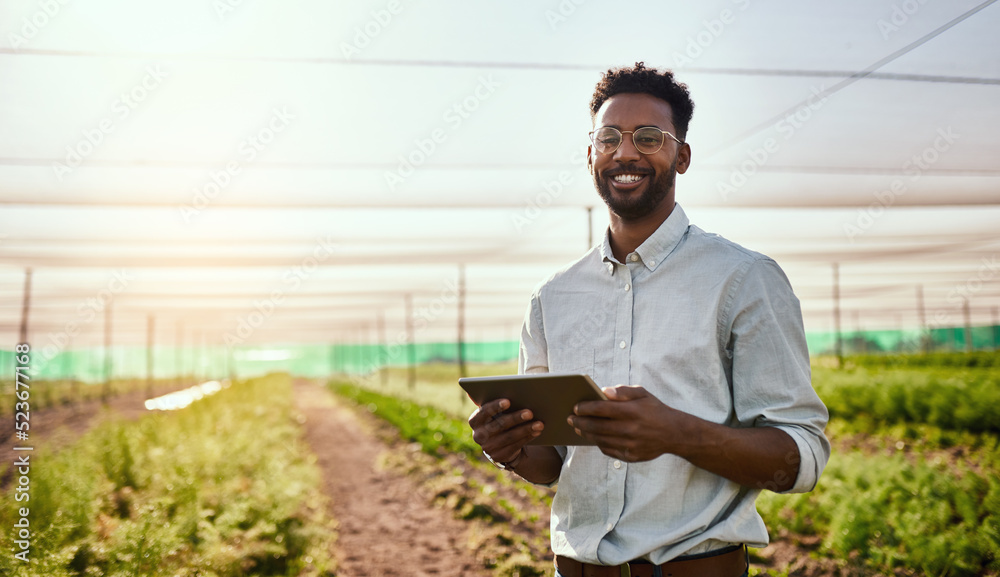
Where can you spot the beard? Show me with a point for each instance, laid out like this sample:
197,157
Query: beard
636,208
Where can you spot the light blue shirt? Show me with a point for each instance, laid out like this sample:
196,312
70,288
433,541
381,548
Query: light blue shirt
710,328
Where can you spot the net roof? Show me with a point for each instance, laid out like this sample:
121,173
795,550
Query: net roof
314,163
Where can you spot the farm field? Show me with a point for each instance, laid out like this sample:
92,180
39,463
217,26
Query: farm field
258,480
224,487
912,486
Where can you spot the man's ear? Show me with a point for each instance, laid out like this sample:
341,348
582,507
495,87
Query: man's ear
683,158
590,158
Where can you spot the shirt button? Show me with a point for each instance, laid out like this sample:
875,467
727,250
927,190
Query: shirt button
633,257
611,267
609,526
618,464
652,263
628,286
621,345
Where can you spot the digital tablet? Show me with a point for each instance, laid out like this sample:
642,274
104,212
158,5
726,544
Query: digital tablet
550,397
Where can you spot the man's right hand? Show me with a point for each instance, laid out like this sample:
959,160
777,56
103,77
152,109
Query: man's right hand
503,435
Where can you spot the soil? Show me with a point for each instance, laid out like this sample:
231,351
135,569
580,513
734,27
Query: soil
387,523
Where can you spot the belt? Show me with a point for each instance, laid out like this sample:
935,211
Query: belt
728,562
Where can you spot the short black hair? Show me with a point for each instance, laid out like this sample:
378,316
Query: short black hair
639,79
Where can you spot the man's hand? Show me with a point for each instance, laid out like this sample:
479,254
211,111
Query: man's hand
503,435
632,425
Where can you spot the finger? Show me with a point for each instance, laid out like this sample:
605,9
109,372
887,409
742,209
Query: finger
503,421
625,392
488,411
506,445
601,426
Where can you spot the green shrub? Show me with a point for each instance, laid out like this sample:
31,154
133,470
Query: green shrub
222,487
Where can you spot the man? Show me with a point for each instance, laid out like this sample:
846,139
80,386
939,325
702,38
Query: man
703,340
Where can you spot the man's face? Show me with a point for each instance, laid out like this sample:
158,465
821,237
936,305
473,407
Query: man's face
632,184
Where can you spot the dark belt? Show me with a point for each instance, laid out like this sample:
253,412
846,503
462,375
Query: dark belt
728,562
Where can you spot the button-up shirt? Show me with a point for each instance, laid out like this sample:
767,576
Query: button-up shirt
709,328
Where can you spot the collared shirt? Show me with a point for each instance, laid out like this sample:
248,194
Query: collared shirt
709,328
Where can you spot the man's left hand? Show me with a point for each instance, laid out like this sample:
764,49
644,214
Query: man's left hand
632,425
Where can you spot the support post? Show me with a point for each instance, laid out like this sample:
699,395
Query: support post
150,323
461,321
839,346
968,324
411,345
106,394
383,370
925,335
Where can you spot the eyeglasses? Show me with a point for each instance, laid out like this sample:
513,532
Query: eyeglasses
647,140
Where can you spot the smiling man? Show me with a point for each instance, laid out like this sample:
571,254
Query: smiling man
700,347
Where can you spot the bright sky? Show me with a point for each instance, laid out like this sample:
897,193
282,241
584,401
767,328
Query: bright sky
200,160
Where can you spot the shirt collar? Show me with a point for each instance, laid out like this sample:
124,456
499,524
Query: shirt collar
659,245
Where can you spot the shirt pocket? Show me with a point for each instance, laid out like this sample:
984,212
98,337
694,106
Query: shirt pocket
578,360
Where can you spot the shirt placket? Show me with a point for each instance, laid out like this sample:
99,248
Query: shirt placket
617,469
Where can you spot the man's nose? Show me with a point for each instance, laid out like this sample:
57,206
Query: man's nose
626,150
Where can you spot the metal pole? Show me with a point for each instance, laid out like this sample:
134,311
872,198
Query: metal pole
925,335
382,354
22,337
177,353
996,328
150,322
25,307
410,344
106,395
839,346
968,324
590,227
461,321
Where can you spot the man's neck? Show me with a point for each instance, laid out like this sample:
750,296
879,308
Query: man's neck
627,235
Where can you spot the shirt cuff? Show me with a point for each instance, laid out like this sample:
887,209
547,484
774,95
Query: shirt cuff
808,463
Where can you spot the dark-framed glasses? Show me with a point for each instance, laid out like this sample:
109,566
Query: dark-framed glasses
647,140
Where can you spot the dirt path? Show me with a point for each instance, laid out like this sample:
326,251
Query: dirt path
386,525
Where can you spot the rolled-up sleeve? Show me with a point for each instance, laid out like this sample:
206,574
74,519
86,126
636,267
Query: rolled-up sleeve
771,377
533,356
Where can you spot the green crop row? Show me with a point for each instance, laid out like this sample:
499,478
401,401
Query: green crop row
892,513
436,431
223,487
937,359
957,399
887,513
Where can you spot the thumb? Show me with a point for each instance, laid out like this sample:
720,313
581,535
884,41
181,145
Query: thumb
625,392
